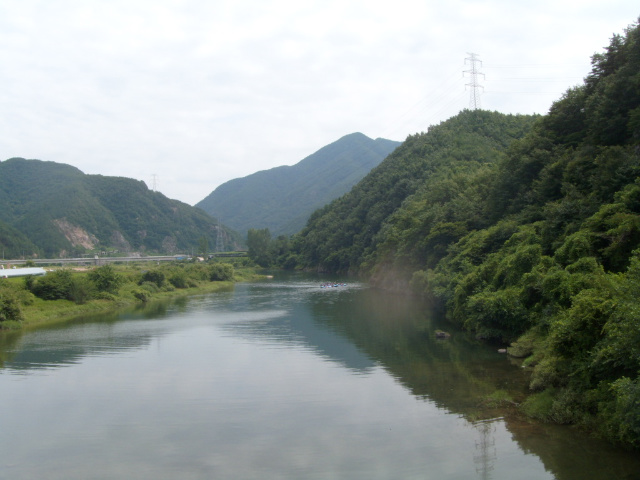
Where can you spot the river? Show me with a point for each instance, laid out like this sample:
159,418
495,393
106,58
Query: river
277,379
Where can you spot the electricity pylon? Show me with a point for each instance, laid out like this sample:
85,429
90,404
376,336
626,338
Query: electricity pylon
474,101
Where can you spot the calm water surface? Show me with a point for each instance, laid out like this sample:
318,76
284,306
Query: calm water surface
278,379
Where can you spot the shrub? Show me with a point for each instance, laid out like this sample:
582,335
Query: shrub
539,405
80,290
149,287
153,276
141,295
53,286
221,272
9,308
179,279
106,279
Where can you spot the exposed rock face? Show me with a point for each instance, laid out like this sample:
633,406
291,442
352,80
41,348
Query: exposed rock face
77,236
119,242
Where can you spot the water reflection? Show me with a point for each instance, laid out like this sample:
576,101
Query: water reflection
278,379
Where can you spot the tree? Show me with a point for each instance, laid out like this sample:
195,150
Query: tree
258,241
9,308
203,246
106,279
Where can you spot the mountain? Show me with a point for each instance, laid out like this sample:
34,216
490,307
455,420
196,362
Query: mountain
526,232
62,211
343,235
282,198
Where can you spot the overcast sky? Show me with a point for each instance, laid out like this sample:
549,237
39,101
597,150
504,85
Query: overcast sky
193,93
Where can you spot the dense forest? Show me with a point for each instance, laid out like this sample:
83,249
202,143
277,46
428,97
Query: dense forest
526,230
282,198
51,209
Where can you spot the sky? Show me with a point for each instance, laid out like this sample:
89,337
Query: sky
188,94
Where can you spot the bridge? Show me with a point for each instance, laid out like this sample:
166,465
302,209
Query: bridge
97,260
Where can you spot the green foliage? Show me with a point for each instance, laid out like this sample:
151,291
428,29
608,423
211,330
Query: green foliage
45,204
179,279
259,242
55,285
525,230
623,412
141,295
106,279
221,272
10,310
156,277
424,196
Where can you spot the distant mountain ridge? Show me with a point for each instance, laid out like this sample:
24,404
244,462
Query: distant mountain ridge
283,198
52,209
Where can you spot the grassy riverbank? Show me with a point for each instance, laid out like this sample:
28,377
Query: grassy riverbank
64,293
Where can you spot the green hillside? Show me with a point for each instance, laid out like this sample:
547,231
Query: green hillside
62,211
281,199
528,239
342,236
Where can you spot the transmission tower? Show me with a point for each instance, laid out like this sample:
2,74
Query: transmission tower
219,239
154,181
474,101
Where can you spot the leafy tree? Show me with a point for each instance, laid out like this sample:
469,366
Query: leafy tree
9,307
258,241
203,246
55,285
156,277
106,279
221,272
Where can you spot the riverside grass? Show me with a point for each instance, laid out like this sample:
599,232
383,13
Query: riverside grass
193,278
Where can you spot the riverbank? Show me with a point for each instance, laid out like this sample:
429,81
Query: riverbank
64,294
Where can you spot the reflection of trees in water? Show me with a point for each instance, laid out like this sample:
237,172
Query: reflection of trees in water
399,333
79,337
459,374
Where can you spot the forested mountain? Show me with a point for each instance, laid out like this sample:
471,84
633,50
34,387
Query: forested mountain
51,209
531,240
282,198
343,235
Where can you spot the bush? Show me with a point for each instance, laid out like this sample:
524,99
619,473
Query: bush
106,296
153,276
179,279
53,286
149,287
141,295
539,405
106,279
80,290
623,421
9,308
221,272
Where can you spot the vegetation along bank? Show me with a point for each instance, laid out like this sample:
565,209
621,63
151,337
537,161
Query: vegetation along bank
524,229
63,293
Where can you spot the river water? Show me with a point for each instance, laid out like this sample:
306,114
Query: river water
277,379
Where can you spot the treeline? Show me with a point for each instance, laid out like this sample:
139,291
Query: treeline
51,209
526,230
108,283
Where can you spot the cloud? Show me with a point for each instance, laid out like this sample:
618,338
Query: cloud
200,92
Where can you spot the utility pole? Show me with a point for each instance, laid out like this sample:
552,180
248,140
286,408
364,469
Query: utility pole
474,101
